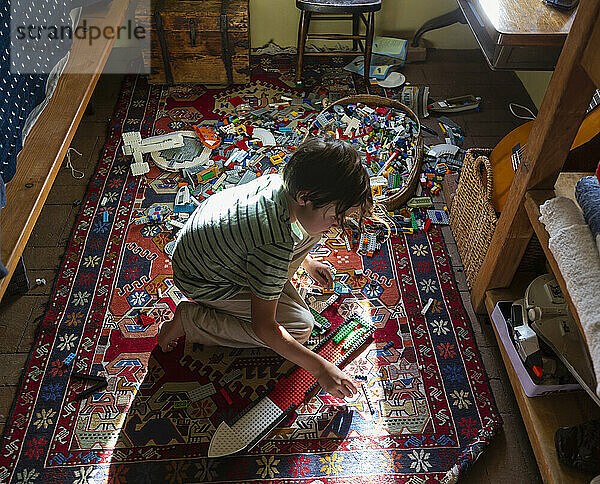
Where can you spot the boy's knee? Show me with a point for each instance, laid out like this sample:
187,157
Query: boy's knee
305,327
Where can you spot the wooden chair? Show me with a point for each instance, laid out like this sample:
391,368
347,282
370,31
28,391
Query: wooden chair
338,10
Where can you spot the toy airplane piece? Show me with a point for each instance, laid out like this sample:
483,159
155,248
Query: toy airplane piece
183,200
208,137
193,154
339,347
455,104
133,144
440,150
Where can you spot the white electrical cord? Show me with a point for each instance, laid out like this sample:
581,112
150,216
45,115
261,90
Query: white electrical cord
512,106
74,173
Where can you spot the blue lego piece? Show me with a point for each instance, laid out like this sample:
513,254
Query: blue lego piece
184,208
69,359
341,288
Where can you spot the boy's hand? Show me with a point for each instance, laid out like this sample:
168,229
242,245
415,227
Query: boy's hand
335,381
318,271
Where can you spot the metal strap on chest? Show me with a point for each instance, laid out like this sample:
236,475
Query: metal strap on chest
226,54
163,42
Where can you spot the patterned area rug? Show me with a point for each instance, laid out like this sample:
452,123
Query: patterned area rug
431,412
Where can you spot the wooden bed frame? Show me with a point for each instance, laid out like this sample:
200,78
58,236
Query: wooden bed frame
47,144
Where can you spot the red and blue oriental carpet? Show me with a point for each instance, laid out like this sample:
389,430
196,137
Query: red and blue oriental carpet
433,412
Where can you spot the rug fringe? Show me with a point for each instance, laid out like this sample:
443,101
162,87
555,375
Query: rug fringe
451,476
271,48
472,452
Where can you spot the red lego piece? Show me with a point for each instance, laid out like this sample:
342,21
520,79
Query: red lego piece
292,389
333,401
236,101
225,396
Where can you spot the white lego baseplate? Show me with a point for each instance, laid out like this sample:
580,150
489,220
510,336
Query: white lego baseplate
202,392
228,440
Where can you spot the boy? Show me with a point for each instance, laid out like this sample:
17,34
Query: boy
236,253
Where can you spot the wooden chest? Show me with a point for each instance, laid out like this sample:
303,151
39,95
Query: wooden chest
200,41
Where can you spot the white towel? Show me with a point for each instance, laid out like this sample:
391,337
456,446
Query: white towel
560,212
574,249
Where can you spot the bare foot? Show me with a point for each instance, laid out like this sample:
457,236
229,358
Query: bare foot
171,331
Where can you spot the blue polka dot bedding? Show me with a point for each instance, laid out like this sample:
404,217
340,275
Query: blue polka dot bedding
23,78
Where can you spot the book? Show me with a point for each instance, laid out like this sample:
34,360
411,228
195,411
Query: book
392,47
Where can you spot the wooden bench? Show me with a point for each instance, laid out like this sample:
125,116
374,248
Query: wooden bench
48,142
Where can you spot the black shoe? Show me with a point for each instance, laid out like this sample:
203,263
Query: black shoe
579,446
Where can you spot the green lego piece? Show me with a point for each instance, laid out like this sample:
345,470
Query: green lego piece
413,221
322,325
397,180
354,337
420,202
345,330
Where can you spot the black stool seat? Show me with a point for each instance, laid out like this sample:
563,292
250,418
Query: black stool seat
339,6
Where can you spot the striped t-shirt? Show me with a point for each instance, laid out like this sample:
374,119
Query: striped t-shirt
239,238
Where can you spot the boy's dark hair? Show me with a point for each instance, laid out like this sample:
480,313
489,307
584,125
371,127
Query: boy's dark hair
330,171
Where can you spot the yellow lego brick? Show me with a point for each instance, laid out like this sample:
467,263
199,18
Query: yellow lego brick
276,159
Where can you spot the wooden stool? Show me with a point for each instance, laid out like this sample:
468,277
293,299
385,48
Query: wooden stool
338,10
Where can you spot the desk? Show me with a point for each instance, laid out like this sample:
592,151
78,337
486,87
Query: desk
512,34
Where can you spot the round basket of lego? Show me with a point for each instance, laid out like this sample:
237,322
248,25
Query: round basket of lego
388,136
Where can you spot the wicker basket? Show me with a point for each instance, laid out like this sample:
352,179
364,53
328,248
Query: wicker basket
399,196
472,215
